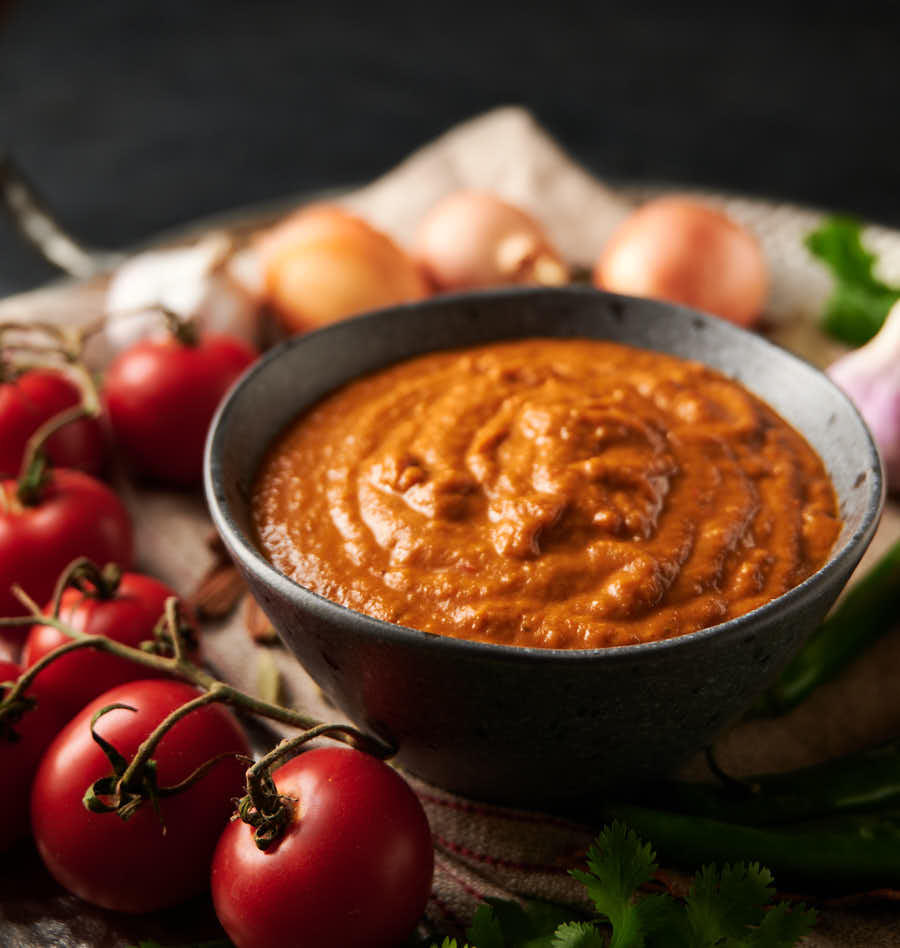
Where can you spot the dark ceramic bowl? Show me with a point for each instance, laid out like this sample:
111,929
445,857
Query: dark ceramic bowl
534,726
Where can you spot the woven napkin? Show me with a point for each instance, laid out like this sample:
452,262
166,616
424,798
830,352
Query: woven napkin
486,850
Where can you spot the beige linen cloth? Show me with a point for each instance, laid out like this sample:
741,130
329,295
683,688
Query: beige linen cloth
486,850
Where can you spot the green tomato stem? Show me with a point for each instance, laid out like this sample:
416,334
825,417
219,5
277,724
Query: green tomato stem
182,329
66,348
131,778
104,582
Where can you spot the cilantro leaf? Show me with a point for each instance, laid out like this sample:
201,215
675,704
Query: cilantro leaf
860,301
504,924
782,925
728,907
665,922
486,930
724,903
619,864
578,935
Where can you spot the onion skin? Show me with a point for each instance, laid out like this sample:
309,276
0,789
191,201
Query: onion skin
680,250
473,239
323,264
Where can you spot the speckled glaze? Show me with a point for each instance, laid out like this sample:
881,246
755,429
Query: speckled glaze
536,726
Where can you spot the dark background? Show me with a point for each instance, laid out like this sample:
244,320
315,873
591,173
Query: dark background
133,116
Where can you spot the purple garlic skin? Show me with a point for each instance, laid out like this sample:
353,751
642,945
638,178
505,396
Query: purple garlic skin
871,377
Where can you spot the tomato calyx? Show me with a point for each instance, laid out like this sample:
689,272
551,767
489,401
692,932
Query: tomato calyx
265,810
173,635
89,579
183,330
123,799
60,349
9,372
133,783
270,813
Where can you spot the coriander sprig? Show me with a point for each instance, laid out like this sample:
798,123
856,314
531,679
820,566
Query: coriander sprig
728,907
859,301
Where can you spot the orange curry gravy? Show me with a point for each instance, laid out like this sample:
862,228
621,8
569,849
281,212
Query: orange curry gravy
550,493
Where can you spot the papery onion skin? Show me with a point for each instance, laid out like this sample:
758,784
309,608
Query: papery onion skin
678,249
198,282
474,239
323,264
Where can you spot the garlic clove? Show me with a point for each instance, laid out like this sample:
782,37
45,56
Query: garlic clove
172,277
871,378
194,282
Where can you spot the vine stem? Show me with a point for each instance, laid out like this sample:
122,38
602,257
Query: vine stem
177,666
148,746
68,346
105,581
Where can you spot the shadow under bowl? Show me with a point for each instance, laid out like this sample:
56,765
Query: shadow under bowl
519,725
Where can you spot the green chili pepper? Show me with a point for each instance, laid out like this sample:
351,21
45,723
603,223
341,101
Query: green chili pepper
859,782
851,853
869,610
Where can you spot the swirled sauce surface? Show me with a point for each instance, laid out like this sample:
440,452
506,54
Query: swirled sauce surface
550,493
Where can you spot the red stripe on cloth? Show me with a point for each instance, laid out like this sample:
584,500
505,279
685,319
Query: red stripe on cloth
497,862
465,886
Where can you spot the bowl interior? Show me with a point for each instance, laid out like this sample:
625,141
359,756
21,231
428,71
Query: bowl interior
296,374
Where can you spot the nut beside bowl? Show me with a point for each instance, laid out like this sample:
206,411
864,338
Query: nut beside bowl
520,725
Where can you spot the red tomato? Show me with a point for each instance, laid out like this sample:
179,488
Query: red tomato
33,398
19,758
161,395
76,515
129,617
133,866
353,869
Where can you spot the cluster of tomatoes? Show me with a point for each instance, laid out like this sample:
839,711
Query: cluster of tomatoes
159,397
354,863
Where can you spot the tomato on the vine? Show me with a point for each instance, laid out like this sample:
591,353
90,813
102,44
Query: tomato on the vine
128,616
71,515
161,395
353,868
33,398
21,745
146,862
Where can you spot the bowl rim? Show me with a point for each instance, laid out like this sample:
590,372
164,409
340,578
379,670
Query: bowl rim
252,560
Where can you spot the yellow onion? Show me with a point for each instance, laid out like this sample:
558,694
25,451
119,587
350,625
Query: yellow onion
678,249
473,239
323,263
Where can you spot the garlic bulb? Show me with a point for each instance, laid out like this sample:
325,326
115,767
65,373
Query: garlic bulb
194,282
871,377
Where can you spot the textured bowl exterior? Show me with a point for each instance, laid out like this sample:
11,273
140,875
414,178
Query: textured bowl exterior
536,726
